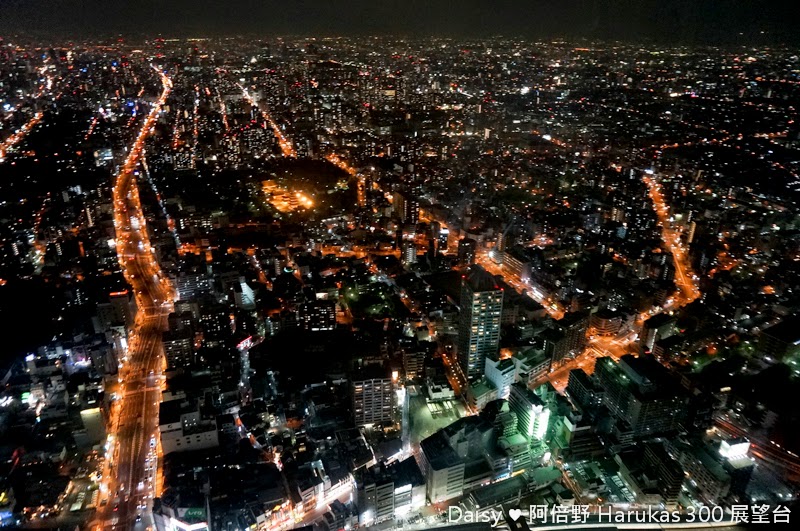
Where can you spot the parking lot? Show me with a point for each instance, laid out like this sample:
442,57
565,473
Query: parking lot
427,418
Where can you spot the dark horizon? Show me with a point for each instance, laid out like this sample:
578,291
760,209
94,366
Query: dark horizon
746,22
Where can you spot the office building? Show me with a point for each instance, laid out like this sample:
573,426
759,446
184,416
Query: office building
584,390
668,473
605,322
413,363
442,239
472,452
120,310
443,468
192,285
501,373
661,326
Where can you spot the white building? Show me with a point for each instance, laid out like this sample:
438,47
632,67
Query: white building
502,374
182,429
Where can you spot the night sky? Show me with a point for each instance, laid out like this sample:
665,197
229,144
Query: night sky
685,21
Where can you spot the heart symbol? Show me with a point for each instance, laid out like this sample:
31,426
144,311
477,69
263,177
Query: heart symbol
514,514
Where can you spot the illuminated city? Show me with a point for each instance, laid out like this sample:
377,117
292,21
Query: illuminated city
265,271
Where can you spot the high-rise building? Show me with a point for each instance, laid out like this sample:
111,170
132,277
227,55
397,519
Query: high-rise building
479,323
413,363
515,261
119,310
568,339
441,240
243,296
781,340
606,322
640,393
466,251
584,390
215,321
94,428
192,285
669,474
406,207
373,398
384,492
178,347
317,316
408,253
436,230
661,326
182,428
501,373
471,452
533,416
180,320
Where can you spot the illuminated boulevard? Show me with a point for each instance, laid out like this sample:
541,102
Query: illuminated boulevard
20,134
131,474
685,280
352,172
625,342
287,149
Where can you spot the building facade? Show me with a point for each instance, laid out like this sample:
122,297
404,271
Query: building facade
479,330
373,401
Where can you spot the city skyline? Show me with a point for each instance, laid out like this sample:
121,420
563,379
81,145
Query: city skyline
338,283
744,22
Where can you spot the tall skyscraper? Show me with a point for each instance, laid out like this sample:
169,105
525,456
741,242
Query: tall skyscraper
479,323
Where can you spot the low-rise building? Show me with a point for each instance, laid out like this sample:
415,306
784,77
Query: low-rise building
182,429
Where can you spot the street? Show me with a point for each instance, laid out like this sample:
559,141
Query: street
130,479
